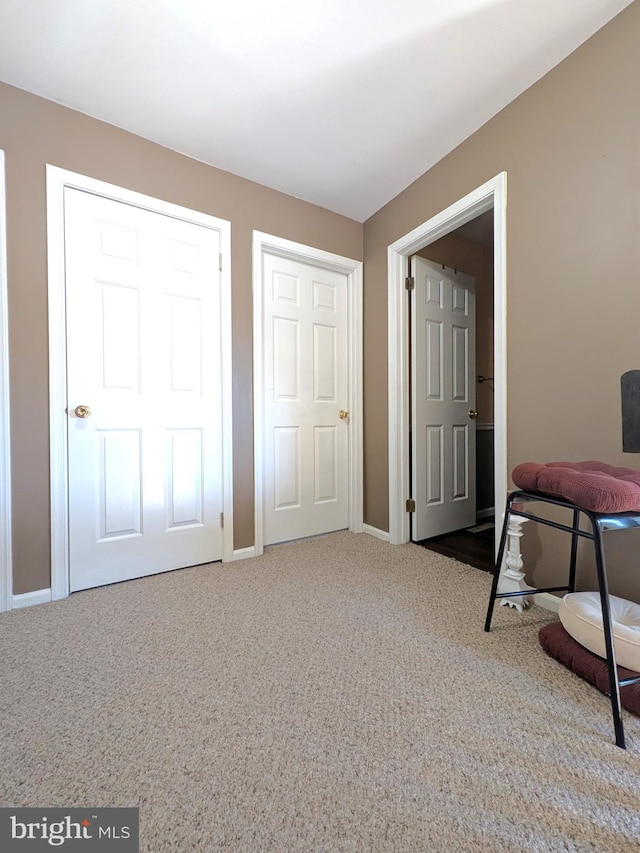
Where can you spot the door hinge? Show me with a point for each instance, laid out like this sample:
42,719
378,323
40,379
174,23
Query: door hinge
220,261
222,520
411,505
409,283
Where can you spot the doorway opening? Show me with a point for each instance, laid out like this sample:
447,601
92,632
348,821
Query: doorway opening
473,545
457,522
489,197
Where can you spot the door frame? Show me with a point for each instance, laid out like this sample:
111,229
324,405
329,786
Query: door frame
491,195
269,244
57,180
6,560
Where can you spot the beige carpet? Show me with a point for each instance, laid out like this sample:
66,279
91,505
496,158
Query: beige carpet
337,694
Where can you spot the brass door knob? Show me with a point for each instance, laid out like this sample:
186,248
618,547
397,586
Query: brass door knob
473,414
82,411
343,415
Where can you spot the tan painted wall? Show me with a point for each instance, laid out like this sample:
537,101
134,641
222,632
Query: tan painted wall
571,148
467,256
34,132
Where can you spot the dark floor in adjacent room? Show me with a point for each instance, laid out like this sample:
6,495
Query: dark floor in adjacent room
473,545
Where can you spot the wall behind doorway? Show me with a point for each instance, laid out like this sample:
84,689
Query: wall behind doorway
470,257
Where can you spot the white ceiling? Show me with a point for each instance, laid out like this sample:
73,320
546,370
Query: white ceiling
340,102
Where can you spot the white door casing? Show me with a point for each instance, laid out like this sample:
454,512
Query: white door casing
491,195
317,309
126,311
443,399
6,568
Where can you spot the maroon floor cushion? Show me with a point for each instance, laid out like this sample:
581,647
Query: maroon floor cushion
561,646
593,485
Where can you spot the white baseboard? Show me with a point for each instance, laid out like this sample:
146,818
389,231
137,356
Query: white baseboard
547,601
373,531
26,599
243,553
489,512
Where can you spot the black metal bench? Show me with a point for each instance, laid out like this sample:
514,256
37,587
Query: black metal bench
598,524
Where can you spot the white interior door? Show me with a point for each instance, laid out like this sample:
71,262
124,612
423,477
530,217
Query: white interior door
443,399
143,354
305,400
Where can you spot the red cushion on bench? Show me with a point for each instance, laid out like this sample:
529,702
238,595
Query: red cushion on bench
561,646
593,485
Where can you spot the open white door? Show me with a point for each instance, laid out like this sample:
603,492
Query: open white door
443,399
144,391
